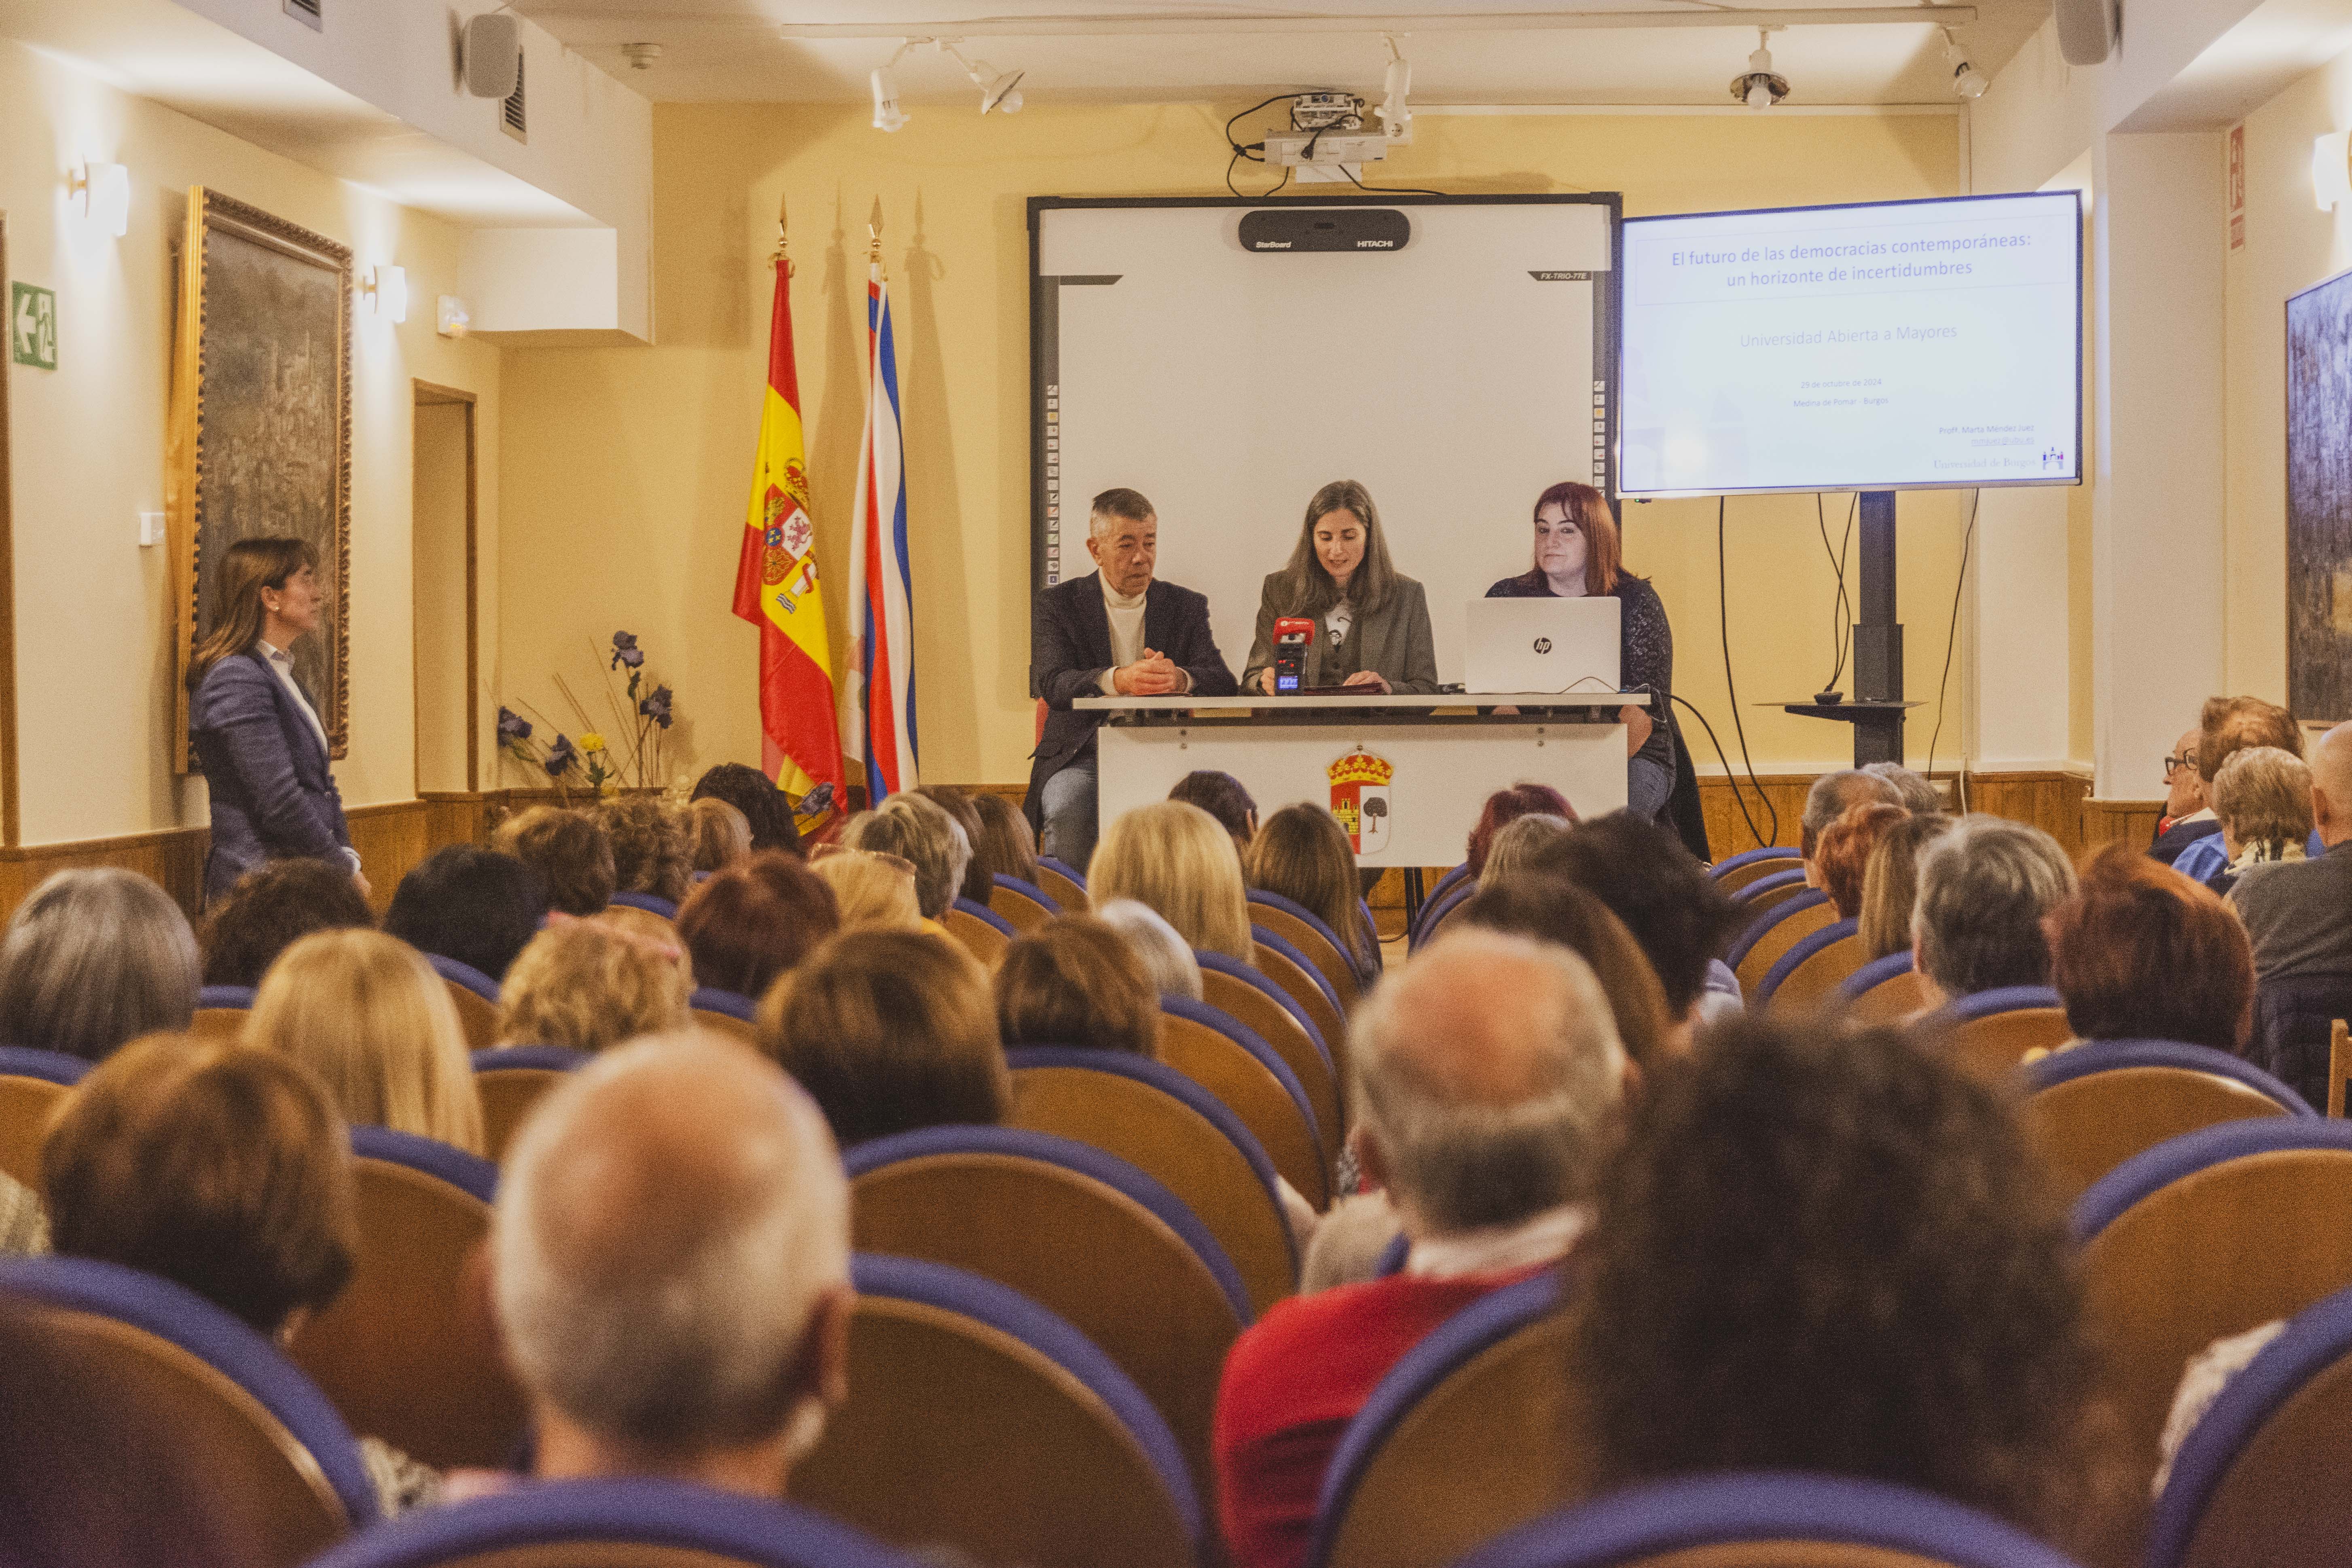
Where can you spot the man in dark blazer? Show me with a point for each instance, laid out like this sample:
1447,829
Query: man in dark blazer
1114,632
265,766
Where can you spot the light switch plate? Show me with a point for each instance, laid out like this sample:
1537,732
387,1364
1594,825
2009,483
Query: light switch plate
151,528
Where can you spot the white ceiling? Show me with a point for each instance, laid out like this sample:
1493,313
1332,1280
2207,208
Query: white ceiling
729,52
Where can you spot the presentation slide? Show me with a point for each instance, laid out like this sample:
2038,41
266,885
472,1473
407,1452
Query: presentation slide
1903,345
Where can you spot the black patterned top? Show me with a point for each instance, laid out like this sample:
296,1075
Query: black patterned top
1645,648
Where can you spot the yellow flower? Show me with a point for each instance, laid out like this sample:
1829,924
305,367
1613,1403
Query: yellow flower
592,743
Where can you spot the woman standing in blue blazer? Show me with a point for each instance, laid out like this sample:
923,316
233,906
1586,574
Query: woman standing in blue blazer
255,731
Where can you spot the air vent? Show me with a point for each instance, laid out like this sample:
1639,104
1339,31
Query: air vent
306,12
513,113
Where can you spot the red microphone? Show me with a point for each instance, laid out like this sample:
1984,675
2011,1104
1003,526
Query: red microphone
1291,636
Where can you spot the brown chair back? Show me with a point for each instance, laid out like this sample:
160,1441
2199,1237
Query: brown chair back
727,1024
1739,877
1176,1146
1991,1046
1890,1001
1301,988
507,1095
407,1352
1756,903
1062,890
1813,984
25,1107
1781,1554
2339,1065
1482,1453
1083,1251
1272,1022
1759,960
2087,1126
218,1023
122,1449
1026,913
2281,1503
957,1434
1314,944
476,1016
979,939
1227,1069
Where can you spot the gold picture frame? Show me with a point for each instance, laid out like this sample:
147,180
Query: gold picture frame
259,434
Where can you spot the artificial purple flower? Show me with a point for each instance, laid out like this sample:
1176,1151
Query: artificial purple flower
513,727
625,650
560,756
657,707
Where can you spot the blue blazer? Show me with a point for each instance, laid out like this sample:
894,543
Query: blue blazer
273,796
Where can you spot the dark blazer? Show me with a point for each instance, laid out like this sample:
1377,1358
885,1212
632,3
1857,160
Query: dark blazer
1070,649
1394,641
273,796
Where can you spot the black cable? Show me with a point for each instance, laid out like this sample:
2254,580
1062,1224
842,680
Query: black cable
1386,190
1252,108
1731,689
1841,607
1738,799
1951,635
1234,162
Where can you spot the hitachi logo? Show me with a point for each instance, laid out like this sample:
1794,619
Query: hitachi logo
1376,245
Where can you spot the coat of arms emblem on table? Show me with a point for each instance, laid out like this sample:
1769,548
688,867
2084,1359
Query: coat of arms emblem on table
1360,799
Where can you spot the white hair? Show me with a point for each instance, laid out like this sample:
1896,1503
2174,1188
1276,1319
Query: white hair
666,1307
1174,970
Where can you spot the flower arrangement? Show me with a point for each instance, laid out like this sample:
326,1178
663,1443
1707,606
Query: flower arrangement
630,755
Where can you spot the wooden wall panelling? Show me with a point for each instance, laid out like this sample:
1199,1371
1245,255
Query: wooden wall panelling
2131,822
2051,801
173,856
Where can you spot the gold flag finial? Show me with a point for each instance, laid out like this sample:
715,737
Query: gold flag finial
873,234
779,258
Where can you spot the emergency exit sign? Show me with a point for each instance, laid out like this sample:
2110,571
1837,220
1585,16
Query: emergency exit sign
33,326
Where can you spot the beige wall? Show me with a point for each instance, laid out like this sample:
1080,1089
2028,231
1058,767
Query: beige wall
93,617
625,469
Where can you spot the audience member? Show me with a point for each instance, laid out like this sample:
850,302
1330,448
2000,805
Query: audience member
1920,796
670,1257
976,883
1175,971
2141,953
225,1171
717,834
1175,859
658,934
1832,797
1077,980
1224,797
1890,884
1302,853
1517,844
922,833
1005,846
1487,1074
750,923
476,906
2188,814
1547,907
2228,725
1843,853
1834,1252
2299,917
570,850
1985,888
272,907
889,1031
589,985
873,890
2263,798
1505,806
650,848
1682,919
366,1013
764,806
24,1227
93,958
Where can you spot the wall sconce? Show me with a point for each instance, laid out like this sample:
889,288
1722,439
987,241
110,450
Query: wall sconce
387,291
102,193
2331,169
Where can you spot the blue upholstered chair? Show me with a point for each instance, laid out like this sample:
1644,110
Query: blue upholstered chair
726,1004
1066,884
2096,1105
1279,961
465,976
1990,1032
1878,971
659,1523
1725,869
1313,936
225,996
510,1081
31,1084
1024,905
1434,912
1750,892
1232,1061
1643,1524
983,933
1808,948
42,1067
988,917
474,995
646,902
1218,963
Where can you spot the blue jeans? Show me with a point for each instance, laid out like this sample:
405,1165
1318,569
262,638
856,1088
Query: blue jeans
1070,814
1647,787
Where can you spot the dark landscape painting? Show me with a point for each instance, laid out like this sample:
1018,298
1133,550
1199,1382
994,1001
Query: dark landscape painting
2319,501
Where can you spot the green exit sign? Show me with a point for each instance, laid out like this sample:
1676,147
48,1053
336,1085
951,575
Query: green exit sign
33,326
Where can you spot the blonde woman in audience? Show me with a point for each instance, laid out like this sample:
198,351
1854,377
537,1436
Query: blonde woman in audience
889,1031
717,834
1075,981
976,883
94,958
922,833
2263,795
1517,841
656,935
569,848
588,985
649,846
1006,845
1174,858
1174,969
1302,853
366,1013
225,1171
1890,884
875,892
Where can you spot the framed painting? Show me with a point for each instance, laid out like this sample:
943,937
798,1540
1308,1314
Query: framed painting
2319,501
259,439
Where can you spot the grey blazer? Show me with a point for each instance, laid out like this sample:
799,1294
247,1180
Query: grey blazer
1394,641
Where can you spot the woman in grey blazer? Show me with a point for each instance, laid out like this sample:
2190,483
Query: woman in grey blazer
1371,625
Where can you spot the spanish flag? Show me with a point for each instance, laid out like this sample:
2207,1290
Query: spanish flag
776,587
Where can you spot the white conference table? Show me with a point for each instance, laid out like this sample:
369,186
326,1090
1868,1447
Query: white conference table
1430,761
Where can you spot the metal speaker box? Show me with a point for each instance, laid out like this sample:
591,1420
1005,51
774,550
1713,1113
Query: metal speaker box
491,54
2087,30
1371,230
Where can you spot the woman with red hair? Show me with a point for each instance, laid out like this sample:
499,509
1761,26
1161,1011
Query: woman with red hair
1843,854
2142,953
1505,806
1577,555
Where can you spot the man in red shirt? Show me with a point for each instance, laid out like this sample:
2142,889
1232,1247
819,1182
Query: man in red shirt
1488,1071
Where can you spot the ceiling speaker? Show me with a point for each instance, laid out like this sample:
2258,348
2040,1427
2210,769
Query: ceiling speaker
2087,29
491,54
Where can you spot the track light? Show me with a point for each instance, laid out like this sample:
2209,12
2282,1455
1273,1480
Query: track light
1966,81
998,90
888,115
1760,87
1396,115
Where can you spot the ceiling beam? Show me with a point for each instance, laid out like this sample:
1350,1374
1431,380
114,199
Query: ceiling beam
1064,26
